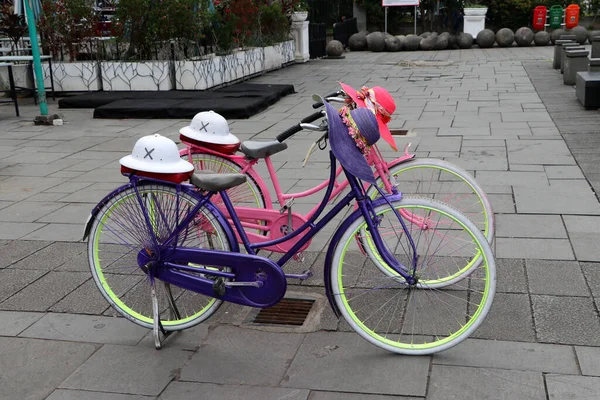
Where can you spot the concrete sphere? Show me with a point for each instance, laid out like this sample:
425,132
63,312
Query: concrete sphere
581,33
401,40
358,42
376,41
452,42
464,40
524,36
555,35
592,34
504,37
542,38
441,43
486,38
425,35
334,48
427,44
392,44
364,32
412,43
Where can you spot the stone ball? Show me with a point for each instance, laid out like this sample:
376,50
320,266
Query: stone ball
464,40
392,44
425,35
452,42
428,43
364,32
524,36
358,42
334,48
412,43
441,43
401,40
387,35
504,37
555,35
581,33
376,41
592,34
486,38
542,38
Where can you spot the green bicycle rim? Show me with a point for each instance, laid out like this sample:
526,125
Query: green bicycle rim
424,346
117,301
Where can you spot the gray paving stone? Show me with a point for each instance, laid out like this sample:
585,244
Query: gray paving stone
589,360
44,292
355,396
14,322
556,278
530,226
547,152
127,369
242,357
70,214
87,195
16,188
13,280
512,178
570,387
556,201
564,172
450,382
543,249
509,319
337,361
510,276
86,299
535,357
440,144
189,339
58,232
85,328
17,230
18,250
66,394
591,271
585,235
566,320
31,369
210,391
526,168
502,203
26,211
53,256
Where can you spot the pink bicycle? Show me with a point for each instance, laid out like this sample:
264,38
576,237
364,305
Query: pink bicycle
263,221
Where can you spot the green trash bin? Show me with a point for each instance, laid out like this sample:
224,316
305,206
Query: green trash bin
556,17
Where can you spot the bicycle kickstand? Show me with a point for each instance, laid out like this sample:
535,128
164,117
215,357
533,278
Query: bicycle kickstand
157,328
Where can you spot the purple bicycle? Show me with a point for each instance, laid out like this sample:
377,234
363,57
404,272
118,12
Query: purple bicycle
165,257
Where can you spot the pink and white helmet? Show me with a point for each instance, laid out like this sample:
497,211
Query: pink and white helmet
209,127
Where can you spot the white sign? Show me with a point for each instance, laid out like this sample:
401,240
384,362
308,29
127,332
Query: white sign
391,3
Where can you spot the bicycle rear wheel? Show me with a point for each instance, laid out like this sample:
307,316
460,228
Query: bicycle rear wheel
432,315
118,235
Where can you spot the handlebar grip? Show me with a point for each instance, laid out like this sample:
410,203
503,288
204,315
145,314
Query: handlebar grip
288,133
319,104
312,117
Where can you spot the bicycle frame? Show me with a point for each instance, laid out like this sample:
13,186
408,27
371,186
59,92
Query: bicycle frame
166,264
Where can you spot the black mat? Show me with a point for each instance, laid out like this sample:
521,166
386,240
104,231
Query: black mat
237,101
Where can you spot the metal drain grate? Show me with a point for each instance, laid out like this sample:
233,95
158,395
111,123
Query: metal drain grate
398,132
286,312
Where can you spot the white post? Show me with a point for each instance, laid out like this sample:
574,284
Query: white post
300,33
415,21
385,29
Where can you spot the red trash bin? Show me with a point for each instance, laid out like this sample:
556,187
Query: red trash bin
539,18
572,16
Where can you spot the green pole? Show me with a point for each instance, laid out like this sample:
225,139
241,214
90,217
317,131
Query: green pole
37,62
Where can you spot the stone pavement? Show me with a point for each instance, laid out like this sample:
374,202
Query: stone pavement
503,114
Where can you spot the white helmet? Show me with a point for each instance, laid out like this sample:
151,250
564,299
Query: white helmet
157,154
209,127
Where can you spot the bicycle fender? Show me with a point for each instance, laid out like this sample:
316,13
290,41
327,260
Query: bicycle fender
334,241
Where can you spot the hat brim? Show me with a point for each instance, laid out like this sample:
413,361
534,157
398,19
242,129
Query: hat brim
207,137
385,132
131,162
344,147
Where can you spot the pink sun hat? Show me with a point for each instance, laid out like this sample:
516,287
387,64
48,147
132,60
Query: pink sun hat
380,102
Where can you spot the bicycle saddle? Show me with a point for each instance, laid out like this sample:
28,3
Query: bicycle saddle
256,149
213,182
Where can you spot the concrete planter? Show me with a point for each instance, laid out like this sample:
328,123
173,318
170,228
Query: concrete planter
20,75
72,77
147,75
474,20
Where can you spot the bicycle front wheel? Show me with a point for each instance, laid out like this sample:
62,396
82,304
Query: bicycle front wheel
120,232
448,183
432,315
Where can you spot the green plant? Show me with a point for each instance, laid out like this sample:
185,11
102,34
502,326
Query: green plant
274,25
12,25
301,6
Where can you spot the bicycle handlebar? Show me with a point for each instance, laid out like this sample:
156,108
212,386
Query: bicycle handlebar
288,133
313,117
334,94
